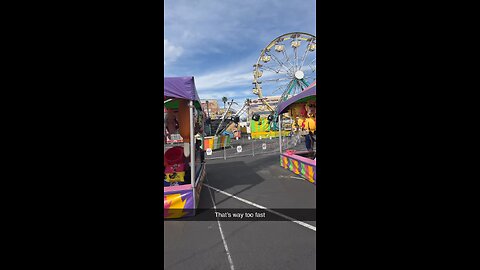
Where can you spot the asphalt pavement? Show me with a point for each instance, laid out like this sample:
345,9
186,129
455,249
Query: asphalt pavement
250,244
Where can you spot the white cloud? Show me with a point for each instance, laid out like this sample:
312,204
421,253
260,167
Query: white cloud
222,80
238,76
218,95
203,26
215,34
237,97
171,52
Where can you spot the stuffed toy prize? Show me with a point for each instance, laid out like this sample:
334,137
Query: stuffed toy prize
184,124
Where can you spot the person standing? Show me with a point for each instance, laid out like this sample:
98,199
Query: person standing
308,142
309,139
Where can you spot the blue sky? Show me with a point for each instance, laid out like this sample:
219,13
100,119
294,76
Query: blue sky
219,41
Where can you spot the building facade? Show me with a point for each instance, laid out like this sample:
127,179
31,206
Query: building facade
213,108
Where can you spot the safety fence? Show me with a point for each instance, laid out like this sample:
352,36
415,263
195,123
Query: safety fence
253,147
245,146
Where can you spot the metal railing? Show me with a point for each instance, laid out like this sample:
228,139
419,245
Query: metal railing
244,146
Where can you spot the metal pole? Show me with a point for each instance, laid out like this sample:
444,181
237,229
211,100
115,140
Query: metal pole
280,130
192,153
253,147
224,153
164,127
223,118
208,110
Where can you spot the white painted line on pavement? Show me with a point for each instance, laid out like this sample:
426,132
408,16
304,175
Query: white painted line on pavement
306,225
221,233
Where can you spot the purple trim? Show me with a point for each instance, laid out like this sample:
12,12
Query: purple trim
176,189
300,160
305,160
180,87
189,203
310,91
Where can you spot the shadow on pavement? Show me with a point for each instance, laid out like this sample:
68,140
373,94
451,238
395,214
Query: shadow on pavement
230,173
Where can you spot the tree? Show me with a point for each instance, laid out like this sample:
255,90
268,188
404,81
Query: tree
224,99
208,110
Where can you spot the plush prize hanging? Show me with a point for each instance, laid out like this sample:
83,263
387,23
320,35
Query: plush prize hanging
184,124
310,109
171,122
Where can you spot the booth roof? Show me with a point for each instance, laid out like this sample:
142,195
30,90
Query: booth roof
307,94
180,87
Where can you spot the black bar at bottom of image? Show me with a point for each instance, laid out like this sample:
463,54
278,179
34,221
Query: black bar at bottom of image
290,214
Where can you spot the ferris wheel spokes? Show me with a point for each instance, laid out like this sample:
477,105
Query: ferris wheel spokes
296,56
281,64
284,65
287,59
304,57
276,70
275,80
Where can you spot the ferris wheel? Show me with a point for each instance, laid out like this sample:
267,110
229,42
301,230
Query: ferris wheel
286,66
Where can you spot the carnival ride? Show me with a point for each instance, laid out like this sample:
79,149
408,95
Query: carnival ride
216,129
184,166
302,107
220,124
286,64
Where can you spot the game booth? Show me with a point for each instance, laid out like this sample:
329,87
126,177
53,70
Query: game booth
184,166
302,108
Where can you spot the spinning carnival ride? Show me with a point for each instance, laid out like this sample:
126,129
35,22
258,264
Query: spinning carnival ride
287,65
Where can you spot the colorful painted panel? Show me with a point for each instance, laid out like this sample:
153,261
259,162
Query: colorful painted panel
299,166
226,140
268,134
208,143
222,141
216,142
261,125
177,205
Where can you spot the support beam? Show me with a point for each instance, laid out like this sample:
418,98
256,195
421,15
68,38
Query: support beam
280,131
192,152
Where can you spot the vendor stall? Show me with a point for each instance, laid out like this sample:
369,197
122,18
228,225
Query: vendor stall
302,108
184,167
